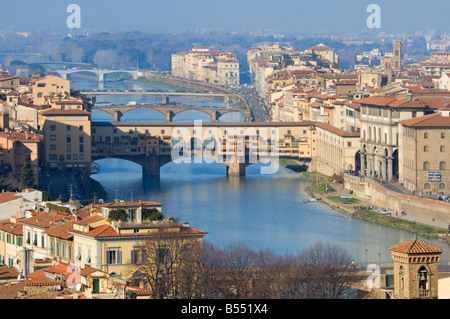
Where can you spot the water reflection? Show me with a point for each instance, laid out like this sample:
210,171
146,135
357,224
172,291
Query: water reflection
262,211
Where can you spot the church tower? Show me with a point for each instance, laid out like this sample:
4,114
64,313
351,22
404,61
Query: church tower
397,67
415,270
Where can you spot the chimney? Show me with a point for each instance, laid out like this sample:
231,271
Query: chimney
409,97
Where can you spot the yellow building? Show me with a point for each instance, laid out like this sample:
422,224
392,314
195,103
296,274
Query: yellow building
117,246
67,139
49,86
337,150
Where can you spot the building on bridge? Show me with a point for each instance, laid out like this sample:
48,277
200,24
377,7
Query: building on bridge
237,145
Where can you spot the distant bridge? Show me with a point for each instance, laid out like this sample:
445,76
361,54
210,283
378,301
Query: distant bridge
227,96
99,73
169,111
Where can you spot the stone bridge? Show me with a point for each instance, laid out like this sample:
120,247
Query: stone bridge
228,97
99,73
237,145
169,111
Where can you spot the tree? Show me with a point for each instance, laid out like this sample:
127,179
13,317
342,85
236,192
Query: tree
170,265
151,214
117,214
27,178
106,58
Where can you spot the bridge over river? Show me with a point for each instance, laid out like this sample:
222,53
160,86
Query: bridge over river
237,145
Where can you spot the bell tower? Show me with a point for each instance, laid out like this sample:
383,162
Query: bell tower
415,270
397,66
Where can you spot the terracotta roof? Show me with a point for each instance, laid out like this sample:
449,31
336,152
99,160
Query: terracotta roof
8,196
10,227
431,120
44,220
415,246
52,111
61,231
131,204
336,130
8,272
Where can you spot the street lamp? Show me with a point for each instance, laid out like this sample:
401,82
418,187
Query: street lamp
366,258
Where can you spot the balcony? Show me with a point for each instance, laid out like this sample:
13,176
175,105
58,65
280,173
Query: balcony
424,293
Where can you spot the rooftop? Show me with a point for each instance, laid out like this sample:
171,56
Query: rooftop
415,246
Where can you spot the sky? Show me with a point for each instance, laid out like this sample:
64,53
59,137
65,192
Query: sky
283,16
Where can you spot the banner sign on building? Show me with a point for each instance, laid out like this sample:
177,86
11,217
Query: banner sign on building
434,176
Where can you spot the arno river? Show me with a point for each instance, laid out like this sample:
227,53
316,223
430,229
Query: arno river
260,211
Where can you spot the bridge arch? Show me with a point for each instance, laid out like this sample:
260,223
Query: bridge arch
183,116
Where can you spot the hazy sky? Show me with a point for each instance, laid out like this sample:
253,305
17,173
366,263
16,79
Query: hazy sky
234,15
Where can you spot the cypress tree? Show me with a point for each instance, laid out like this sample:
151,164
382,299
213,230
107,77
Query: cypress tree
27,177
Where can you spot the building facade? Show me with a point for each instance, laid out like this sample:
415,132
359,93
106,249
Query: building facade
424,148
67,139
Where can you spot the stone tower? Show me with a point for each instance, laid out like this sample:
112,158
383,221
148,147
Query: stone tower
387,63
397,66
415,270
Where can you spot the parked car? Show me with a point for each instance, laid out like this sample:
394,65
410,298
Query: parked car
384,212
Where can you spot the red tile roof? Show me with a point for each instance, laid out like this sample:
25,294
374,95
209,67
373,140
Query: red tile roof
7,272
52,111
131,204
10,227
336,130
61,231
8,196
416,246
431,120
45,220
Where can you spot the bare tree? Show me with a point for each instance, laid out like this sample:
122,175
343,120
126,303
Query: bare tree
106,58
169,263
328,272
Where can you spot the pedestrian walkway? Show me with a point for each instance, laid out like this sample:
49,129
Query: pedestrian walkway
365,203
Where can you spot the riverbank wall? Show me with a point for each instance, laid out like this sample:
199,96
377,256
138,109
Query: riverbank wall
185,83
414,206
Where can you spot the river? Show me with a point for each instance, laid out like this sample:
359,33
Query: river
261,211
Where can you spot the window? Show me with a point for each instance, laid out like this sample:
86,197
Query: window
425,135
442,166
52,137
52,127
42,241
53,157
162,254
68,148
441,186
425,148
113,256
79,252
137,255
426,166
442,149
52,147
35,240
81,139
68,138
88,259
442,135
81,148
67,127
426,186
81,128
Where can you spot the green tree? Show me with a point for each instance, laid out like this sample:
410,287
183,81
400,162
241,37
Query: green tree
27,177
151,214
117,214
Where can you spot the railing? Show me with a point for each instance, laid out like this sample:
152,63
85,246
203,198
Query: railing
424,293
